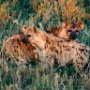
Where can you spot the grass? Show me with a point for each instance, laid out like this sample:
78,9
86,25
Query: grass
13,77
38,76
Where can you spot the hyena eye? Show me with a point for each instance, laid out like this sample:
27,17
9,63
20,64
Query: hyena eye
69,30
77,31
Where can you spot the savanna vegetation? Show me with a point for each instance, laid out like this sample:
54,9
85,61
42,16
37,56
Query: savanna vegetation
14,14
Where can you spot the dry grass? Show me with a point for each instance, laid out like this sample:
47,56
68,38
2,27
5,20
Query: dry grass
38,76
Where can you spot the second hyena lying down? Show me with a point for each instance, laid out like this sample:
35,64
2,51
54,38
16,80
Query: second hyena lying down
13,48
57,50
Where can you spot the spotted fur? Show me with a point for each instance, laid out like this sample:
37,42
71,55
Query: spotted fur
58,50
34,44
68,31
15,49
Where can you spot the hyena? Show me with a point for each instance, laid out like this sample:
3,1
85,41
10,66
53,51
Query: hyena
14,48
58,50
69,30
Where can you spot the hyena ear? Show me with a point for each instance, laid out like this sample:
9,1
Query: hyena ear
43,35
80,25
35,29
24,29
64,24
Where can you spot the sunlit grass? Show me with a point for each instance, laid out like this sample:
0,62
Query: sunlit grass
36,76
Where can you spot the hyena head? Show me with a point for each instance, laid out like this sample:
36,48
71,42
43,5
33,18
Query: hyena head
69,30
35,37
28,32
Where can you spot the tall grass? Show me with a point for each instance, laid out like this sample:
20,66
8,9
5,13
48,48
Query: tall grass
36,76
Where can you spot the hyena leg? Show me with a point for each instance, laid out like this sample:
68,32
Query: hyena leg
81,68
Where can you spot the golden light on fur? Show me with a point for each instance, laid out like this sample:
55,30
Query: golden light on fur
58,50
18,51
68,31
48,49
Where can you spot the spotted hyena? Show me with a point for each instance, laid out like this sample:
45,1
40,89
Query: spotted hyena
69,30
58,50
14,48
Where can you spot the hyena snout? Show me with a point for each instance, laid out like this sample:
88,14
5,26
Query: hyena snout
25,39
73,35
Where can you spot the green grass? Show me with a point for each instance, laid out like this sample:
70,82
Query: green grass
38,77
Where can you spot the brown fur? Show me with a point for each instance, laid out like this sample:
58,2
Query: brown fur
67,29
58,50
14,48
47,48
